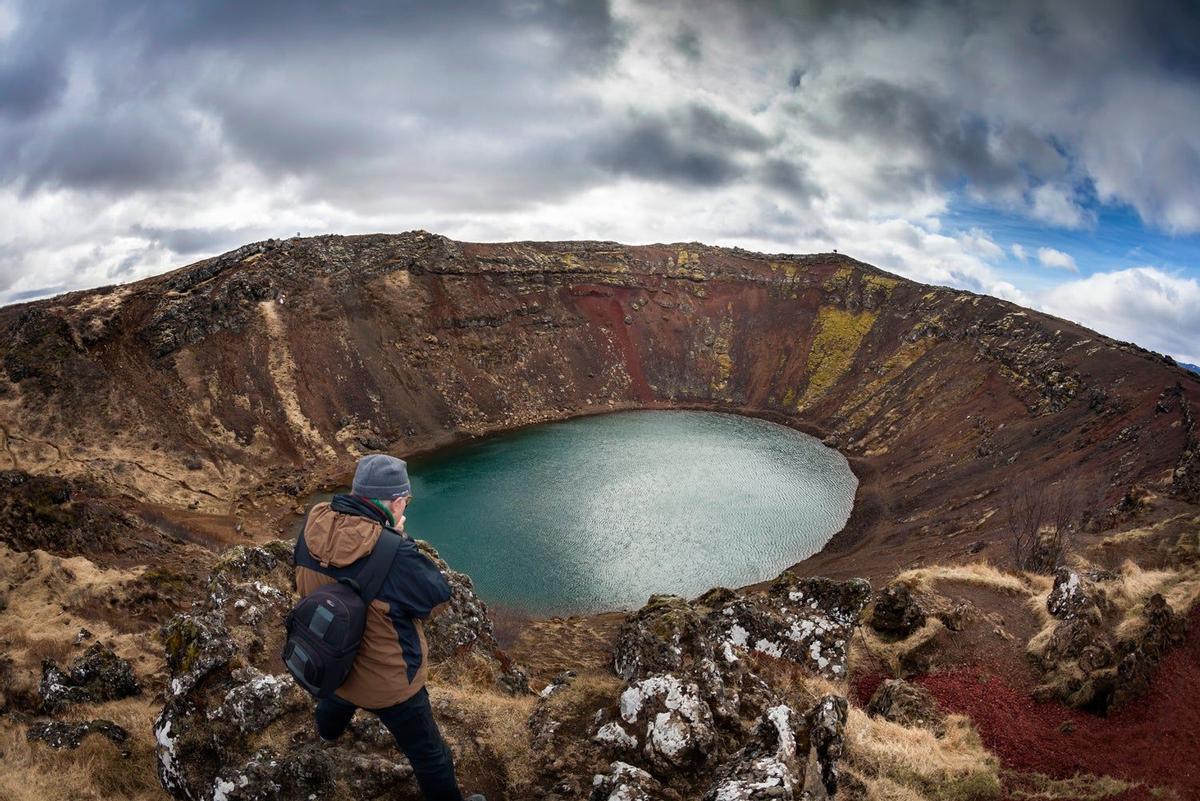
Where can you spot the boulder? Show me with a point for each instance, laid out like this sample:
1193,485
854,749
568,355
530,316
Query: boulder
624,782
1072,596
808,621
897,611
769,766
827,737
907,704
669,635
666,635
1161,630
1081,641
671,722
62,734
96,676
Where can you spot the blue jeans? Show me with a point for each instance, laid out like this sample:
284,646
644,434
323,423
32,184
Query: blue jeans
411,723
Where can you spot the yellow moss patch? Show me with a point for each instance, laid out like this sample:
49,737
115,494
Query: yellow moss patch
864,406
880,281
839,335
686,257
721,345
839,277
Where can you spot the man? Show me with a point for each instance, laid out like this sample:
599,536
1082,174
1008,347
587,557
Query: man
388,676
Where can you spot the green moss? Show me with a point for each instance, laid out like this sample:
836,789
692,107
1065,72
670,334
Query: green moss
1080,787
980,785
180,639
164,577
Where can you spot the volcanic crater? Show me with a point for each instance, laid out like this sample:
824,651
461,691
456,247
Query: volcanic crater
148,427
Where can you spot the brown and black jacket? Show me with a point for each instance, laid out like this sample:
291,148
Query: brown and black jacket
390,666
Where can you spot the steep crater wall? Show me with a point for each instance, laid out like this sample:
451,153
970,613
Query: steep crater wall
233,382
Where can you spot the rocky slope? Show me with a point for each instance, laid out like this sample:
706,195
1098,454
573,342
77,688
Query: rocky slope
213,396
145,428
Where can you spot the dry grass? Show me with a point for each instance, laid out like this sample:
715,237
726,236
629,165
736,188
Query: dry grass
901,764
500,723
1125,597
978,573
42,617
1128,594
33,771
868,651
1081,787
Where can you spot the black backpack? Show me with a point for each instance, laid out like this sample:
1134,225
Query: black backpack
326,627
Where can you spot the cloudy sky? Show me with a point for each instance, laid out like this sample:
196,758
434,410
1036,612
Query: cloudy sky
1048,153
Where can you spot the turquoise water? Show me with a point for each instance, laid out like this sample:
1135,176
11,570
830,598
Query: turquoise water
598,513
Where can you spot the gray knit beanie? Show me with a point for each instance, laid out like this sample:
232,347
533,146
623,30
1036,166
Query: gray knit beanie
381,476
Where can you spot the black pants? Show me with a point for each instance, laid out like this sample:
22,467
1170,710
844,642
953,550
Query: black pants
411,723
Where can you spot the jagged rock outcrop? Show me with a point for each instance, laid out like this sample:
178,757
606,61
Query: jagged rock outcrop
63,734
697,704
698,715
1088,664
897,611
769,765
230,703
1139,656
96,676
906,703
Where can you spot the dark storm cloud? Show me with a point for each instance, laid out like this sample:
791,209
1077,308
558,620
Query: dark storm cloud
134,113
198,240
29,83
697,145
952,145
293,87
358,96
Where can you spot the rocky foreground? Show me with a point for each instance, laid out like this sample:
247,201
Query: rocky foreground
693,717
803,688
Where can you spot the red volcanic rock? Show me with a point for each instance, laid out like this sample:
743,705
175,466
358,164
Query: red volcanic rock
203,387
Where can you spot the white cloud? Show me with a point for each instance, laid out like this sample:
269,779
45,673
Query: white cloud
8,20
135,139
1056,205
1049,257
1145,305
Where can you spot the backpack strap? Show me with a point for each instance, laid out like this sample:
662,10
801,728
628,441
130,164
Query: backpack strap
379,564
